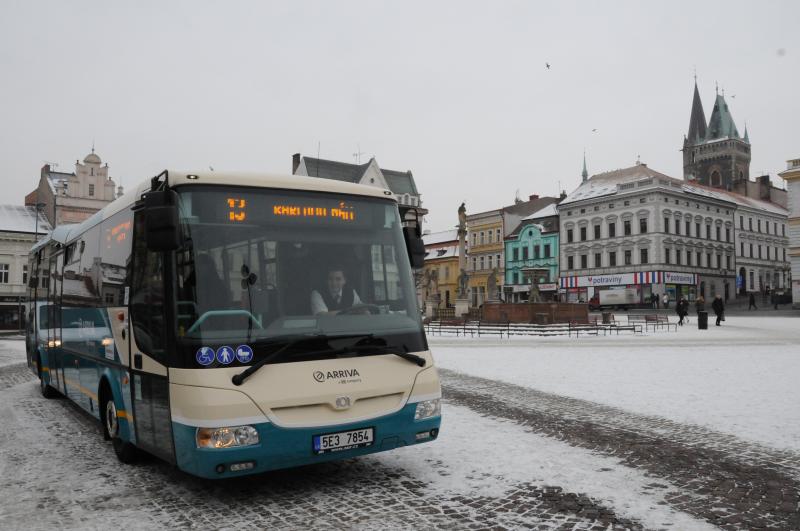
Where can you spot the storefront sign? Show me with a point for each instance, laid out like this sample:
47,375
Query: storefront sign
628,279
680,278
550,286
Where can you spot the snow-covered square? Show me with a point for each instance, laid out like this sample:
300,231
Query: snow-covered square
694,429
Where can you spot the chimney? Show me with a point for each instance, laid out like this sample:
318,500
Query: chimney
533,197
764,188
295,162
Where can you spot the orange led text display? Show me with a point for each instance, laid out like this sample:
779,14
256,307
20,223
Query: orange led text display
237,209
342,212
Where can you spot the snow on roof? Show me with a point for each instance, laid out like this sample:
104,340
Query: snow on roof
435,238
740,200
18,218
549,210
606,183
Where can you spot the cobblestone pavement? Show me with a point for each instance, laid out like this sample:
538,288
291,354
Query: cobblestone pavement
43,438
55,464
731,483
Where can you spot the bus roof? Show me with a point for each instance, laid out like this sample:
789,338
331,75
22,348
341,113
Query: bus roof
179,178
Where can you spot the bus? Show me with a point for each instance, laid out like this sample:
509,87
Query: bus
193,318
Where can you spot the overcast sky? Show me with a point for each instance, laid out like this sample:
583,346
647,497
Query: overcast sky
457,92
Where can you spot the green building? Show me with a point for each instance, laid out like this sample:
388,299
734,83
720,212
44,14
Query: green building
531,256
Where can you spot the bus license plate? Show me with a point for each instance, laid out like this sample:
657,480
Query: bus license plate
344,440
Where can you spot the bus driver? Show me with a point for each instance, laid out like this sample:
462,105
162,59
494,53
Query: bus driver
336,296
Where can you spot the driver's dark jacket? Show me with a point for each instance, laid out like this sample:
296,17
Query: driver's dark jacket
346,300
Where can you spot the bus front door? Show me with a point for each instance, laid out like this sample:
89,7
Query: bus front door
54,325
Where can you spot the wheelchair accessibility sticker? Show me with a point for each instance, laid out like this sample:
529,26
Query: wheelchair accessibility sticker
205,356
244,353
225,355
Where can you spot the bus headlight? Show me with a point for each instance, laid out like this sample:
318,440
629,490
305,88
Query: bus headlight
428,408
228,437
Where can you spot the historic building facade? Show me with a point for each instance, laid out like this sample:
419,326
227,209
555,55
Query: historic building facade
74,197
401,183
531,257
641,230
20,228
440,274
715,155
792,177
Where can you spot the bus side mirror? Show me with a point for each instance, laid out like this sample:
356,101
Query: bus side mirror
414,246
161,220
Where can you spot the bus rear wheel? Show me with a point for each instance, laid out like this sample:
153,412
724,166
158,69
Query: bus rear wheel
45,388
126,452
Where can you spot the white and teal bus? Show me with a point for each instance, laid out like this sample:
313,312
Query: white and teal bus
236,323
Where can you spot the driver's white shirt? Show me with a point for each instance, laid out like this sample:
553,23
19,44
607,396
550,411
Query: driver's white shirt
318,303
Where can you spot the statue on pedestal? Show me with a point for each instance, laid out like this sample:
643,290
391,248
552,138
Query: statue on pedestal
462,218
491,285
463,283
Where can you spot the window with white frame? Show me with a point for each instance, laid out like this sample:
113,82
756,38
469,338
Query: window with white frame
3,273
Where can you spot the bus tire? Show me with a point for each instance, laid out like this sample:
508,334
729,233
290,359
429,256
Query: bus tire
45,388
126,451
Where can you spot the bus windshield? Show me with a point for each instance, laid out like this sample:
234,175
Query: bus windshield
259,264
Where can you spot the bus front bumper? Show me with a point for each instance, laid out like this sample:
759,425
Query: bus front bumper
290,447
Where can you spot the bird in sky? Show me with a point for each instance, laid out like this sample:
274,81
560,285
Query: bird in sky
547,65
594,130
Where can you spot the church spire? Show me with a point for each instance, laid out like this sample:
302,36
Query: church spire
697,121
584,173
746,136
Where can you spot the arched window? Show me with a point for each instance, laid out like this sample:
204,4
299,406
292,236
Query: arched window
716,179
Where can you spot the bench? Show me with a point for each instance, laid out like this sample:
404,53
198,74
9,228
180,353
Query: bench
659,321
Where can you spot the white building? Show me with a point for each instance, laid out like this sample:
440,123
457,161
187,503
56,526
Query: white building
792,177
18,233
644,231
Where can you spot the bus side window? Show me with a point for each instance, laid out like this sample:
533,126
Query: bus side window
147,296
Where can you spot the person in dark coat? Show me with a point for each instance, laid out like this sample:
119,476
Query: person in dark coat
682,309
752,302
719,309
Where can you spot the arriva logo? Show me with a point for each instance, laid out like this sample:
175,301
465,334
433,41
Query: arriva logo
335,375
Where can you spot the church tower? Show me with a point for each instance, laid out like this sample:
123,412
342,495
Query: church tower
715,155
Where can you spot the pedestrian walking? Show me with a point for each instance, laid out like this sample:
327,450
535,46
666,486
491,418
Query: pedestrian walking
719,309
665,300
700,304
752,302
775,299
679,311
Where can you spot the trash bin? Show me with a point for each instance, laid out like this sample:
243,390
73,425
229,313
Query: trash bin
702,320
607,317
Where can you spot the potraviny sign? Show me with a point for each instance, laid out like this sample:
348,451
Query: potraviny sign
628,279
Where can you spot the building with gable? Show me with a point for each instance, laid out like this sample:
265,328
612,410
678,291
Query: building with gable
440,274
400,183
74,197
792,176
531,257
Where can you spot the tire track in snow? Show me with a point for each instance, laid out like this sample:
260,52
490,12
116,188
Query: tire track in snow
729,482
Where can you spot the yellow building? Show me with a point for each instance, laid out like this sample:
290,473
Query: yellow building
439,283
485,244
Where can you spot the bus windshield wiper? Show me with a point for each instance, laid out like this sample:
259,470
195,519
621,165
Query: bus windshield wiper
390,349
238,379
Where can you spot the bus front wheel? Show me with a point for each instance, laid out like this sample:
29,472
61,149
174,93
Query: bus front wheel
45,388
126,452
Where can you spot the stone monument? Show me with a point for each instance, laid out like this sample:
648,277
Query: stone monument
491,287
431,292
462,297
